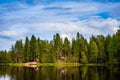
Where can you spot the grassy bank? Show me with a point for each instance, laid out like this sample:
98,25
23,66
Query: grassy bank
57,63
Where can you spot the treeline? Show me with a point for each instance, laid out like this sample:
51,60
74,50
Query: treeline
99,49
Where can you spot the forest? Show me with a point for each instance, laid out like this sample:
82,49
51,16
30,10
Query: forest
99,49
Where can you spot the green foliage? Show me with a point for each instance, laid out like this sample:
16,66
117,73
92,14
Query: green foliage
3,57
58,44
66,47
93,51
111,50
27,50
33,47
100,49
118,46
83,58
18,51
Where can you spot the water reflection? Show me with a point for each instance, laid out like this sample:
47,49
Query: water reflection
59,73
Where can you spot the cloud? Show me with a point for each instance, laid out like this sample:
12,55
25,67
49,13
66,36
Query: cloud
5,44
67,18
8,33
64,35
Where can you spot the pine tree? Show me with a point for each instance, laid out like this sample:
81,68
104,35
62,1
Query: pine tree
19,51
13,55
52,52
66,47
106,46
101,47
39,48
58,44
93,51
73,50
83,58
27,50
33,47
118,45
77,47
112,50
37,51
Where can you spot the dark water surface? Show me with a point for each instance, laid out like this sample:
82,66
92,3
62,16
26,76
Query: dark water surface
59,73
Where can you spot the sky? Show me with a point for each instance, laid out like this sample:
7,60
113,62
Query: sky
44,18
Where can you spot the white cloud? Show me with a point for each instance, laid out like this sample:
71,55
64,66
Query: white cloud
65,18
64,35
14,30
109,24
5,44
8,33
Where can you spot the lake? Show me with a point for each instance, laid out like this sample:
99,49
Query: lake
59,73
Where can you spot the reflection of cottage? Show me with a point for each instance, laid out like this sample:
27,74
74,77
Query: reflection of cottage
61,57
36,59
62,71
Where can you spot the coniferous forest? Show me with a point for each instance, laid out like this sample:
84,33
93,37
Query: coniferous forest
99,49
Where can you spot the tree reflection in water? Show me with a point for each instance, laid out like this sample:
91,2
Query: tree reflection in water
59,73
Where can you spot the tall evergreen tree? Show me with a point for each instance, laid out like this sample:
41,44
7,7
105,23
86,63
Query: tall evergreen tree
19,51
112,50
118,45
58,44
66,47
73,50
106,46
27,50
52,52
101,47
33,47
37,51
83,58
13,55
93,51
77,47
39,48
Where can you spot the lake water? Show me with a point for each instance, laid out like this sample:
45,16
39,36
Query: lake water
59,73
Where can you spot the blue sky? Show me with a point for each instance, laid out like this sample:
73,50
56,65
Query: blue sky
44,18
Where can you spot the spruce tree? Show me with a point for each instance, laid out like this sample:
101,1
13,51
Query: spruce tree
19,51
27,50
93,51
66,47
33,47
58,44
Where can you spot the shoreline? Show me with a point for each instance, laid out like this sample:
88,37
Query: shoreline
30,64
